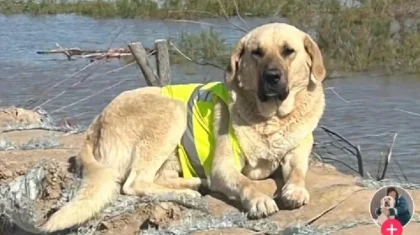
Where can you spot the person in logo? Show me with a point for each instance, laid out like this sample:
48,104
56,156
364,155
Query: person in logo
400,210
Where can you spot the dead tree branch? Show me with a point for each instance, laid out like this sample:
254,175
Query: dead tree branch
387,158
240,17
356,151
344,144
225,15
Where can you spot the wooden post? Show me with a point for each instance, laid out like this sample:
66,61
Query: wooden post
162,61
142,60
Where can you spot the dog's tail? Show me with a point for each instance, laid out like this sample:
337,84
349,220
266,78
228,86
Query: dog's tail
99,187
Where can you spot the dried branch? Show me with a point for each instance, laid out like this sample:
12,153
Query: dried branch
388,158
225,15
240,17
65,52
94,54
358,153
108,55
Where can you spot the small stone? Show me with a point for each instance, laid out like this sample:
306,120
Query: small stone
104,225
52,194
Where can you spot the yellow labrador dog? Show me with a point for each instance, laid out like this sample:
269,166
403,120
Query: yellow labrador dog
146,142
386,202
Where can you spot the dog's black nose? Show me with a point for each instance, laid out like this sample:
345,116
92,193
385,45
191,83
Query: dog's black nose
272,76
273,84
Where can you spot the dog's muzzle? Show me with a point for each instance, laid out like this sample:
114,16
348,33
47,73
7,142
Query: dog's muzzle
387,203
272,85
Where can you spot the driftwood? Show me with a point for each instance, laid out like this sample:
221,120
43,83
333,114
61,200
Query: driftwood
94,54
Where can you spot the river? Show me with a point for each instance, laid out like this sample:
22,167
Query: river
366,105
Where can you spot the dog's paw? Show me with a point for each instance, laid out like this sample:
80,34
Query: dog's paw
294,196
261,206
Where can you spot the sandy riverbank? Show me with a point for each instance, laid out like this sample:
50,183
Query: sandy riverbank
339,203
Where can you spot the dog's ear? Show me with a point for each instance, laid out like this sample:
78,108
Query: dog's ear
318,72
232,68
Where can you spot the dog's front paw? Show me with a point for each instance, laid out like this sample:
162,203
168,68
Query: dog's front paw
294,196
261,206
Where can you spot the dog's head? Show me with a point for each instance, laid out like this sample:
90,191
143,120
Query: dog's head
273,63
388,202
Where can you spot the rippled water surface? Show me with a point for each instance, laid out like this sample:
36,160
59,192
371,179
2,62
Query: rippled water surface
371,107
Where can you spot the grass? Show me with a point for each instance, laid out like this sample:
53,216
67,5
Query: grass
357,39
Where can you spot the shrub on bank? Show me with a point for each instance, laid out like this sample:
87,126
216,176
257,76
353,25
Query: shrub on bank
142,8
378,34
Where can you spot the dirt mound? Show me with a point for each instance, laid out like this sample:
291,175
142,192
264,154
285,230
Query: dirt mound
36,182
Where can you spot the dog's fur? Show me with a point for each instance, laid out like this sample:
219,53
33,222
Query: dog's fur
386,202
131,144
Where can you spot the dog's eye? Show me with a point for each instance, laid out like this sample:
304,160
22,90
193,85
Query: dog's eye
287,51
258,52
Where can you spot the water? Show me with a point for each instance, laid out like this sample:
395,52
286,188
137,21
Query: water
372,104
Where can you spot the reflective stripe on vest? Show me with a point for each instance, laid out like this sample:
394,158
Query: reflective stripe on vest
187,139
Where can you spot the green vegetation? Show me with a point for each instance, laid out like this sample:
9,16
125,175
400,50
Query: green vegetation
205,47
142,8
361,38
355,39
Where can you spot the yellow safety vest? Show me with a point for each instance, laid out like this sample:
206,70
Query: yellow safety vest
197,143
